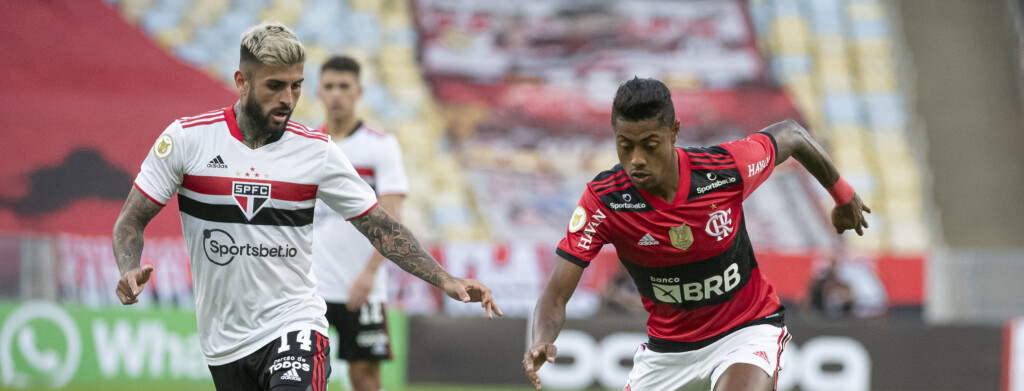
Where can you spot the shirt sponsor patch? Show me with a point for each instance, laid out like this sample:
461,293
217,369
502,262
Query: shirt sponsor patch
627,200
704,182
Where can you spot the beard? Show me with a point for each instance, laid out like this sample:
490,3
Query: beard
260,121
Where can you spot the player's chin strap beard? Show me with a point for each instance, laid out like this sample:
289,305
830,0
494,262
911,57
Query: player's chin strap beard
257,131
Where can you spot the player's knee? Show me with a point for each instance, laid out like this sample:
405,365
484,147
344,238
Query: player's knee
365,375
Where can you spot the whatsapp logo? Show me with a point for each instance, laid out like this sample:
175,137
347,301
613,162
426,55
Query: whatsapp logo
39,347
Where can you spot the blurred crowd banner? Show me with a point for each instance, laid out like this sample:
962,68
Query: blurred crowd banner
86,273
833,356
708,42
44,345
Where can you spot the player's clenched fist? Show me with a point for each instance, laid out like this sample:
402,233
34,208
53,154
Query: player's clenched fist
131,284
535,357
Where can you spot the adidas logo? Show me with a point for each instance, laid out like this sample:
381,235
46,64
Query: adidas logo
763,355
292,375
217,162
648,240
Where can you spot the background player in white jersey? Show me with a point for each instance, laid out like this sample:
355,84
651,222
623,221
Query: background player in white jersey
347,267
247,180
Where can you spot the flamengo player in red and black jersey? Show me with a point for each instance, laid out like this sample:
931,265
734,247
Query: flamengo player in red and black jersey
247,179
675,217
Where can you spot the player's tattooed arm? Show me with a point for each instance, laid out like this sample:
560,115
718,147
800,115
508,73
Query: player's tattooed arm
135,215
395,242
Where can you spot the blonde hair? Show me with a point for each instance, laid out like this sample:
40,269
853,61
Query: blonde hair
270,44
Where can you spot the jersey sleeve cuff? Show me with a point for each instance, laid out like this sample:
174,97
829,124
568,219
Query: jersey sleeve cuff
147,195
775,144
364,212
572,258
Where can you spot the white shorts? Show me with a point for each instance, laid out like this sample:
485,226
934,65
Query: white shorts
699,370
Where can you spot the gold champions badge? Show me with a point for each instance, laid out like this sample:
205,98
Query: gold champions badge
681,237
164,146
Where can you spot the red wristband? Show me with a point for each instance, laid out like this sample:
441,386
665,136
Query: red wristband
841,192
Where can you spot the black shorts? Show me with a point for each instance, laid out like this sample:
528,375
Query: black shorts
362,334
298,362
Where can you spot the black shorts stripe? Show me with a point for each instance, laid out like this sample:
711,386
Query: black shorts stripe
221,213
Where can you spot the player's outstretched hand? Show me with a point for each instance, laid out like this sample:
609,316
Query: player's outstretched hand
851,216
535,357
467,291
131,284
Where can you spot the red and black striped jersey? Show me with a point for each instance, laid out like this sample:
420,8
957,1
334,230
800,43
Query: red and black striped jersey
691,259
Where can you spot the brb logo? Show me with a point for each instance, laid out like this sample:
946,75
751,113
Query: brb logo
39,347
220,248
250,196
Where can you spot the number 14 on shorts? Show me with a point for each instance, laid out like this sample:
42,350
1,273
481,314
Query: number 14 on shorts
302,337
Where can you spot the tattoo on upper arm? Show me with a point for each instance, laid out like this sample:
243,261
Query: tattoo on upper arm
135,215
396,243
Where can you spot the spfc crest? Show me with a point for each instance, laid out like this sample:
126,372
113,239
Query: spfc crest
681,237
250,196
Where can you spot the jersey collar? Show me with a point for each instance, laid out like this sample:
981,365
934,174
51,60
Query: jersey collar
682,191
229,116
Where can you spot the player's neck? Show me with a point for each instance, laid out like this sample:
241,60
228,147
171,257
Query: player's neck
667,191
254,135
342,127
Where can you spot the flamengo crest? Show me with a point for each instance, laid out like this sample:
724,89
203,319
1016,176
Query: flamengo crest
719,224
250,196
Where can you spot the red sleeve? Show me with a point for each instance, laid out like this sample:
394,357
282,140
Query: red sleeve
755,159
583,237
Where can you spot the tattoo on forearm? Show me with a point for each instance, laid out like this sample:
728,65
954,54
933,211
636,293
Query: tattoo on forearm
396,243
128,241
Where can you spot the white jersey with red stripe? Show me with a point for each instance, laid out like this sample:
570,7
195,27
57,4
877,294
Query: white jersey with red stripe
247,218
340,252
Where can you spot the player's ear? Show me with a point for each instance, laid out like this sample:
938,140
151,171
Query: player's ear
240,82
675,129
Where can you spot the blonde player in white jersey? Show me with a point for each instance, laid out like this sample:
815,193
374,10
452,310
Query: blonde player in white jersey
247,180
348,267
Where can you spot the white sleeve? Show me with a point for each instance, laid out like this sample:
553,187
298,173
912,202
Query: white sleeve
390,172
163,168
341,188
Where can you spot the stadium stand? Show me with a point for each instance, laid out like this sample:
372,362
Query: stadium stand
204,34
835,58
